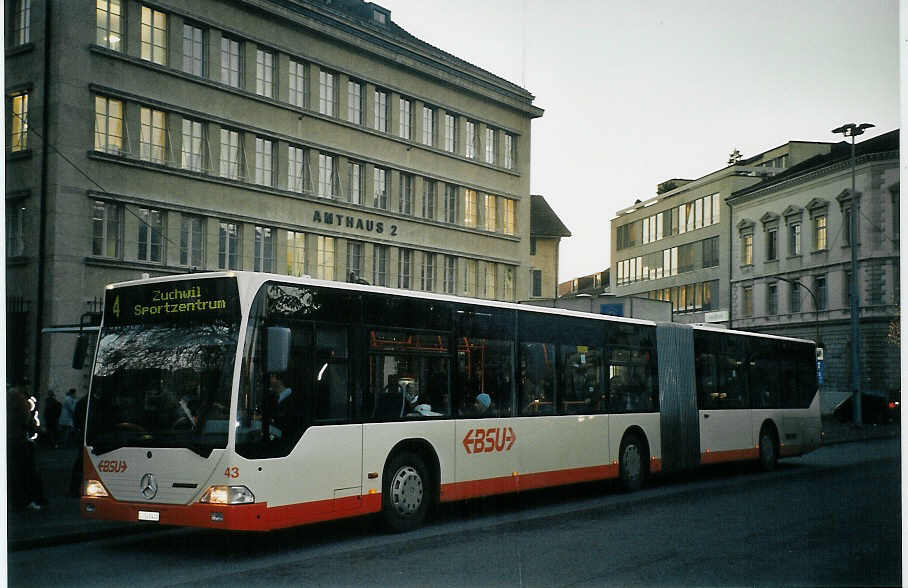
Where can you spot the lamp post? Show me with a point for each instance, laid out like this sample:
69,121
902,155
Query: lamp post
853,130
816,307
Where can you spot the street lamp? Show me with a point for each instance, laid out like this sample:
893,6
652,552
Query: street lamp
816,307
853,130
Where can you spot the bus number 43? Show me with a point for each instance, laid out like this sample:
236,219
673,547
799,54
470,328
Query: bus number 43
488,440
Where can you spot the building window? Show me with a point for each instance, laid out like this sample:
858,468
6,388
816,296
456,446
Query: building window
772,299
404,268
489,215
380,265
772,245
228,246
106,229
846,227
324,257
15,230
296,169
747,249
18,124
154,36
231,62
533,246
354,260
450,274
536,276
710,252
819,232
819,290
508,216
428,126
685,261
450,143
230,163
490,145
381,111
380,188
470,145
470,209
264,73
192,241
264,169
470,273
296,84
428,272
326,176
794,296
150,230
109,19
296,253
896,223
193,50
428,198
748,301
356,183
22,22
108,125
263,256
405,120
327,99
508,150
406,194
794,239
151,143
450,203
354,102
191,149
491,290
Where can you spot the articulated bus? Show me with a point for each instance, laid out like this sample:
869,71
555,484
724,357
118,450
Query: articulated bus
251,401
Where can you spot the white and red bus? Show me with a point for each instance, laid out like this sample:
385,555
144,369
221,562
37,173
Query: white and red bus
252,401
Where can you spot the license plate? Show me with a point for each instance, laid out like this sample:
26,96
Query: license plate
147,515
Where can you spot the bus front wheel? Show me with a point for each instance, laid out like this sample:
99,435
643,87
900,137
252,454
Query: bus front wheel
405,492
632,463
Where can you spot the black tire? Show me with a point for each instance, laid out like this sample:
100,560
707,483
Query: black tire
632,463
406,492
769,454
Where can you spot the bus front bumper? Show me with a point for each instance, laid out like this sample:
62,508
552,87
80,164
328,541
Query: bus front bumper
241,517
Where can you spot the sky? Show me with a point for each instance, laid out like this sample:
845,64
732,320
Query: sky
636,93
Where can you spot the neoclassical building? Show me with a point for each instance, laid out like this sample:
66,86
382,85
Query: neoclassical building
791,261
285,136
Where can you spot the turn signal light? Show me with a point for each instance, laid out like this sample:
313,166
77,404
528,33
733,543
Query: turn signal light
94,489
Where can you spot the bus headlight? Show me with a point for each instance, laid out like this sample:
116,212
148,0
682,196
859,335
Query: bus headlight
227,495
94,489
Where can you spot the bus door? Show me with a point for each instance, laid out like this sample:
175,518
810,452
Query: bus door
726,432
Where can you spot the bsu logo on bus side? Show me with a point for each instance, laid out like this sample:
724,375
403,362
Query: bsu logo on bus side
488,440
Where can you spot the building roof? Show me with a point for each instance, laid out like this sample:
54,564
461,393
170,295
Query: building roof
360,13
543,220
841,152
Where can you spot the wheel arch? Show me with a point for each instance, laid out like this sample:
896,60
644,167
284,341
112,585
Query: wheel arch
637,431
425,450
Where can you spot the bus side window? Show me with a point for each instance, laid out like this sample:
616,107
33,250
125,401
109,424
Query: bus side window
536,378
330,388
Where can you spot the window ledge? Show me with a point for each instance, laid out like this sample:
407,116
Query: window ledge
19,155
19,49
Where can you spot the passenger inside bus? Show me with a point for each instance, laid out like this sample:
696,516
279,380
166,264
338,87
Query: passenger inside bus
280,407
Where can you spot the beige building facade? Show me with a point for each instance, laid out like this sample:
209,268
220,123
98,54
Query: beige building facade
294,137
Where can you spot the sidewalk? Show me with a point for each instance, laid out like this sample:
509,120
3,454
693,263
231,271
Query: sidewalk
59,521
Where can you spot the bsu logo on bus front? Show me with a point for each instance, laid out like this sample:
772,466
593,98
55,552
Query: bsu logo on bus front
488,440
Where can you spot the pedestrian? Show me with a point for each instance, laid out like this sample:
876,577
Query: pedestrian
26,490
52,409
67,417
75,478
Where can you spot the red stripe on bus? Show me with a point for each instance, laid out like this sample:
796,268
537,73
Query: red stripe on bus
520,482
732,455
240,517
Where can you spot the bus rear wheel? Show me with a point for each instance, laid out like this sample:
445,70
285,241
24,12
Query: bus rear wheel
632,463
405,492
769,456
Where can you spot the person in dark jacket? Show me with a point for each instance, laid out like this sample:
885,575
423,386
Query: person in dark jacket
26,490
52,408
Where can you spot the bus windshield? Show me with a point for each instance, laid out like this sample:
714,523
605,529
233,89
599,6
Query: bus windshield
163,372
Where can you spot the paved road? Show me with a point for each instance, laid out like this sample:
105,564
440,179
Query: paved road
830,518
